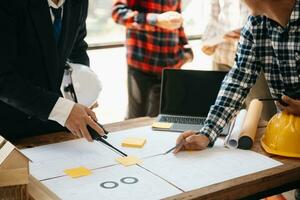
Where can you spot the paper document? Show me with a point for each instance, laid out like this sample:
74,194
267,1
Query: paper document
50,161
116,182
158,142
216,31
232,138
192,170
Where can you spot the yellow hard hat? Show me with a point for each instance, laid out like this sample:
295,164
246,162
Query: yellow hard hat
282,136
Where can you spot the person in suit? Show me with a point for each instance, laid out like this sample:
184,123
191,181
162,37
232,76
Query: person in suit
37,38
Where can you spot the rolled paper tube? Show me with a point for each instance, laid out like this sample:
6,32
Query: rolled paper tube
231,140
249,129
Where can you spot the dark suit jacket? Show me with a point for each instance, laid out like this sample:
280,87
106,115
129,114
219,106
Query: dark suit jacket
32,64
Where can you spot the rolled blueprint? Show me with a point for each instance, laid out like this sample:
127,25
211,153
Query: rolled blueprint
232,138
249,129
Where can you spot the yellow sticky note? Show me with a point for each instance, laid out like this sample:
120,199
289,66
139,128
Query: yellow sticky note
161,125
128,160
134,142
78,172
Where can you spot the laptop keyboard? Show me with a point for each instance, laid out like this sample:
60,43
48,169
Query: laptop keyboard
182,120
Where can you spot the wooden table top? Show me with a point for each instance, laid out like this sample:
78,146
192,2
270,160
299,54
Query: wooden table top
254,186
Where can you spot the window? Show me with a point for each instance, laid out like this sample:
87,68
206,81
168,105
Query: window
102,29
110,63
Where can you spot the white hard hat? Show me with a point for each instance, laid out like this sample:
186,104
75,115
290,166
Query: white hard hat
86,83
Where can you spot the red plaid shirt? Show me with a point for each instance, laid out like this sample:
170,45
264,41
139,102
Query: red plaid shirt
150,48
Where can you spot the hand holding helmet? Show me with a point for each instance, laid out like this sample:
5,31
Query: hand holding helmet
81,85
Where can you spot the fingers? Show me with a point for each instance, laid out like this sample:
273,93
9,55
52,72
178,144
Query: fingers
209,50
91,114
280,106
86,133
78,120
194,140
75,131
177,22
285,103
288,100
95,126
177,149
181,140
184,135
189,140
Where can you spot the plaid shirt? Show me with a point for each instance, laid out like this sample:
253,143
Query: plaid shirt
150,48
264,46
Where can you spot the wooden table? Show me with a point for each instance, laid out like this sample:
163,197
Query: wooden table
254,186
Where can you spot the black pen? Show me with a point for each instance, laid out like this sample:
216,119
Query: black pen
178,145
274,99
99,138
270,99
104,130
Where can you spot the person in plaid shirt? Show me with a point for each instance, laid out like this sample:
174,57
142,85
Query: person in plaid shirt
270,42
155,40
224,23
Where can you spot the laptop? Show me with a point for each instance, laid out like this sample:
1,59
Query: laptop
186,97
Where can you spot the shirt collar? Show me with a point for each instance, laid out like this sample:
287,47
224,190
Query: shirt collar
296,12
53,5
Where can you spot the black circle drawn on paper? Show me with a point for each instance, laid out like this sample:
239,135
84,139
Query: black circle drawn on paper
129,180
106,185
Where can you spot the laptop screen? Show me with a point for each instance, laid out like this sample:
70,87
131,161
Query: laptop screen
189,92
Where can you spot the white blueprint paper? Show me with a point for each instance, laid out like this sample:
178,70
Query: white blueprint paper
51,160
192,170
232,138
158,142
148,187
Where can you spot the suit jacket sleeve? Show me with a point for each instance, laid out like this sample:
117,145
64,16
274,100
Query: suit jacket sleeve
16,91
79,54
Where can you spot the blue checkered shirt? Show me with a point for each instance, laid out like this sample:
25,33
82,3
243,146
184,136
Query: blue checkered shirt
264,46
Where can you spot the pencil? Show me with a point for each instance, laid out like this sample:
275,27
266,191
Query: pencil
178,145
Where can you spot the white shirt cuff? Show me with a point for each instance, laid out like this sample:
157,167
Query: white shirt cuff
61,110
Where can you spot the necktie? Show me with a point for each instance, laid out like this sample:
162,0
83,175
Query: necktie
57,22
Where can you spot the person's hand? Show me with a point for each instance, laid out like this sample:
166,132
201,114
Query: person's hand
209,50
188,55
293,105
191,141
79,118
170,20
233,36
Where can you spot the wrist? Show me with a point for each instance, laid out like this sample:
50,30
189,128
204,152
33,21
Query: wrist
152,19
61,110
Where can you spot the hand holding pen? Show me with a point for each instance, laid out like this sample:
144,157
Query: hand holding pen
81,117
190,140
291,106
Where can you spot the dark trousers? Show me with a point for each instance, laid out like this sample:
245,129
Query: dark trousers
143,94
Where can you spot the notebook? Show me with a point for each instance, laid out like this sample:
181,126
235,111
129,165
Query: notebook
186,97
